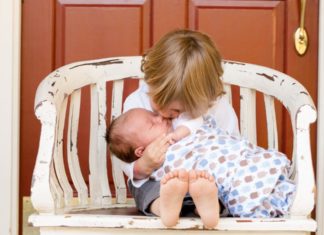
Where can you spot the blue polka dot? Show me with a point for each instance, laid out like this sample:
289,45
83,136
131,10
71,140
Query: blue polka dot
264,212
239,208
284,187
224,151
277,161
221,141
240,172
253,169
234,193
230,164
170,157
274,202
259,184
203,163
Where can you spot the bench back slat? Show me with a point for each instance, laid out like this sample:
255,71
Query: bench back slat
271,122
72,149
248,114
59,156
116,109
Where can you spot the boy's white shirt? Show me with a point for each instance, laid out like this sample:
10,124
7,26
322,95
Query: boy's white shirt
222,111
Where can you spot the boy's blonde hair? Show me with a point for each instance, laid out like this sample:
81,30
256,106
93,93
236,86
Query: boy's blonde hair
184,66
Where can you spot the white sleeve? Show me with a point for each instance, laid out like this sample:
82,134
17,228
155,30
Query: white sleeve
225,116
138,99
221,110
128,169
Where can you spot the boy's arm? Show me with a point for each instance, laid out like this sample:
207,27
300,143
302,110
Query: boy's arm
154,154
153,157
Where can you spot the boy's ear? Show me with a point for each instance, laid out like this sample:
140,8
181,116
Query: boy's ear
139,151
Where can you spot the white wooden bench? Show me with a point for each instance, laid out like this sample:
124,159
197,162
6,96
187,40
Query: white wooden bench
95,211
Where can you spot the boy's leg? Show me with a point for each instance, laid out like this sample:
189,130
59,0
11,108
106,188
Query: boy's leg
145,195
174,187
204,193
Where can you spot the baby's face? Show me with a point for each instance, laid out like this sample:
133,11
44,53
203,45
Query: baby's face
146,126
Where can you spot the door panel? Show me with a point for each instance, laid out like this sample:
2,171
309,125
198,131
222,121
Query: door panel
168,15
97,29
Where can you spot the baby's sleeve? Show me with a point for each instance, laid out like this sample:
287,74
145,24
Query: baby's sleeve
128,169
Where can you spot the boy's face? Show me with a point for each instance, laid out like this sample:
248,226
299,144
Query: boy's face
173,110
146,126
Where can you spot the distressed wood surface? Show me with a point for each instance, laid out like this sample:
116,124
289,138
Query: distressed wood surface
116,109
194,223
58,156
72,150
51,194
271,122
248,114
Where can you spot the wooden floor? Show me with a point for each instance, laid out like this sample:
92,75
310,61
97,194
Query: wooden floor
28,210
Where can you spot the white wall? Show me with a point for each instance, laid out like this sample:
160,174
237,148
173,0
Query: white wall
9,119
320,127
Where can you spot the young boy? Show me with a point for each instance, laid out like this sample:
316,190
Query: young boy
182,76
251,181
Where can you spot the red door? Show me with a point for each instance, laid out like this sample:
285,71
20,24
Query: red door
56,32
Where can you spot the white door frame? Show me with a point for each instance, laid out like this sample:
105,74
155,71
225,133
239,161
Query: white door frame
320,126
10,30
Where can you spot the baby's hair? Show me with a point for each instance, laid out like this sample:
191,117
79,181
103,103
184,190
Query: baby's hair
184,66
117,143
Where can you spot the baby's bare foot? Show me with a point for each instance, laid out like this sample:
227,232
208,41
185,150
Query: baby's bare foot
174,187
204,193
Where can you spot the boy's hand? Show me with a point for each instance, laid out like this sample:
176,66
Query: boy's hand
153,157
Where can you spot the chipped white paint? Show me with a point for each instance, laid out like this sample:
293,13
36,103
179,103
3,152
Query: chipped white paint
247,114
116,109
94,177
58,156
72,150
228,93
60,84
102,231
101,144
138,222
271,122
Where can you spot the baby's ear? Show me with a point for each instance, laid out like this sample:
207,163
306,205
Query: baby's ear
139,151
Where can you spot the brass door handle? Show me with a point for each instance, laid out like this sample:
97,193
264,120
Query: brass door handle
301,38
